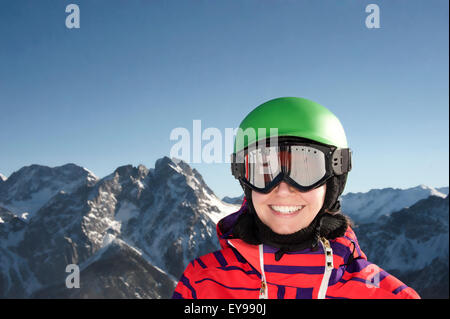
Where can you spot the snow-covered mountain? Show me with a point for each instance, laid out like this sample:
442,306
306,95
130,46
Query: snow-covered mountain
28,189
2,178
443,190
412,244
367,207
149,220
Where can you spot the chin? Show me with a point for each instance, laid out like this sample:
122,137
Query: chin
285,230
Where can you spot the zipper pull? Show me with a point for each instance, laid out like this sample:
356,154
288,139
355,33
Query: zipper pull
328,253
262,291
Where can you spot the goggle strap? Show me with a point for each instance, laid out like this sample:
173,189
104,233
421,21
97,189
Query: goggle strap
341,161
237,167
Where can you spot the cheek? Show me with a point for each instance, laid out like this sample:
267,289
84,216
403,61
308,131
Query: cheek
260,202
259,198
316,196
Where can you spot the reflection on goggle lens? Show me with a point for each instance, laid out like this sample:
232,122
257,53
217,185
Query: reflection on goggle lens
305,165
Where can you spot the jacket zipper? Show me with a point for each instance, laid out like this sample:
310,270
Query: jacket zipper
328,267
263,291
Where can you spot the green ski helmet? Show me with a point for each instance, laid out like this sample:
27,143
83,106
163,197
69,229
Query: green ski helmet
296,119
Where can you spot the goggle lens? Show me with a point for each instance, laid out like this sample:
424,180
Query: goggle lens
305,165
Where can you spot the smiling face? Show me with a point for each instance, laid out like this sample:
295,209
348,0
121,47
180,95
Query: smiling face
286,210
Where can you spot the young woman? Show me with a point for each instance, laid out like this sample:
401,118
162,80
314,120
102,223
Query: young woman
289,239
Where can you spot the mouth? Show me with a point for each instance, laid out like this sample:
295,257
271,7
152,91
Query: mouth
286,211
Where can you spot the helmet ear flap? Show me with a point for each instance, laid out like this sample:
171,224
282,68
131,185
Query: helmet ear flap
335,187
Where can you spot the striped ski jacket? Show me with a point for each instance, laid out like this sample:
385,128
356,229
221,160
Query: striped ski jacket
337,270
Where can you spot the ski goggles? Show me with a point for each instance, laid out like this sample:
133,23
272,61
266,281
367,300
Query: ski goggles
300,164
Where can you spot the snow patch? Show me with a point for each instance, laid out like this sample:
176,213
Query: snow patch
107,240
27,208
91,175
126,212
225,209
416,254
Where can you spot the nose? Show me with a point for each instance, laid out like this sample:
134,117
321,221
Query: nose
284,189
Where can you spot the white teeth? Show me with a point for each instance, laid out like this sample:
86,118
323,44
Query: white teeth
286,209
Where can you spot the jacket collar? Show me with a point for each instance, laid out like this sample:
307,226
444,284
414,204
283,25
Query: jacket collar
295,261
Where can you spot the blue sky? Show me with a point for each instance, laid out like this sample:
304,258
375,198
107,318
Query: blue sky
110,93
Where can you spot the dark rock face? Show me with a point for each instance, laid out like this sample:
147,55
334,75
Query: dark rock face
118,273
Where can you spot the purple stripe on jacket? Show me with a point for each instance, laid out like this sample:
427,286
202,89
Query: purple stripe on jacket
309,270
281,291
186,282
232,288
272,250
248,272
220,258
396,291
304,293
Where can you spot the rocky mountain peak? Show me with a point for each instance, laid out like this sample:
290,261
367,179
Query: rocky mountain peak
29,188
130,172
